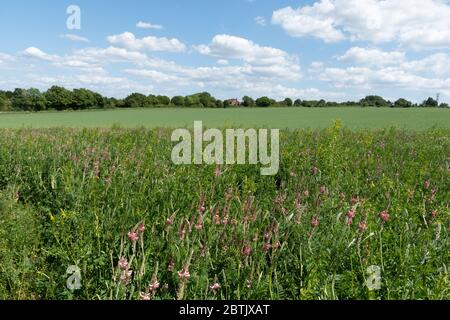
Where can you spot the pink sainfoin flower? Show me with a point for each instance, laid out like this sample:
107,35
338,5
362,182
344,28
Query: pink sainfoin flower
199,225
125,276
201,206
384,215
184,274
153,286
434,214
246,251
145,296
354,200
266,247
315,222
351,214
323,189
362,226
216,218
215,287
293,174
306,193
217,172
133,237
170,220
427,184
141,228
123,264
276,245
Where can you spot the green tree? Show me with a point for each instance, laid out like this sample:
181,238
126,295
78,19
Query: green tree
83,99
58,98
136,100
264,102
248,101
288,102
402,103
374,101
430,103
178,101
5,103
163,100
298,103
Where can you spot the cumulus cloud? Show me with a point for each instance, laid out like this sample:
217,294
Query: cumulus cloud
148,25
129,41
417,24
372,56
266,61
37,53
74,37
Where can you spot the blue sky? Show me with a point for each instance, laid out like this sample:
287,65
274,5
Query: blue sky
332,49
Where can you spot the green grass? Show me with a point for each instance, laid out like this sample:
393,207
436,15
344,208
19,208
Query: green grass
289,118
70,197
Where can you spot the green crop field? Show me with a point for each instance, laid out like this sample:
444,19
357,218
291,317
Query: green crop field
291,118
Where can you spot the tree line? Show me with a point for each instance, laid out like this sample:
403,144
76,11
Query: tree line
59,98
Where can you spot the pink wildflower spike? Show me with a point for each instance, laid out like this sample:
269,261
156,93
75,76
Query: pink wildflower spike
315,222
351,214
362,226
215,287
153,286
427,184
145,296
306,193
133,237
141,228
217,172
266,247
434,214
354,200
123,264
277,245
246,251
384,215
184,274
323,189
125,276
349,221
199,225
293,174
170,220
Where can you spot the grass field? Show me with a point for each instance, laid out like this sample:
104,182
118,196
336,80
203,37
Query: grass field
352,214
292,118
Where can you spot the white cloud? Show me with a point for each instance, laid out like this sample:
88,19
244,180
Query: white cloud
260,21
129,41
148,25
362,77
153,75
37,53
266,61
5,58
223,62
373,56
418,24
74,37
